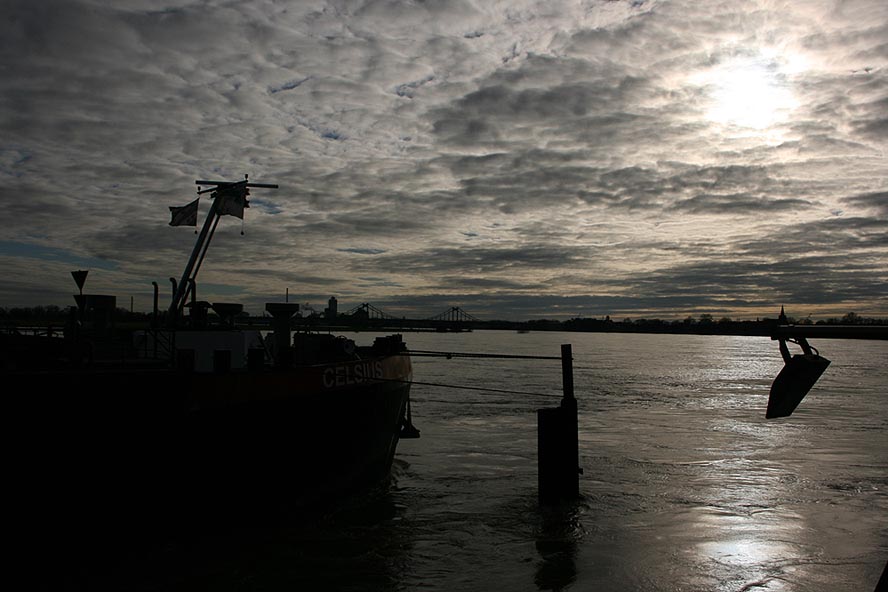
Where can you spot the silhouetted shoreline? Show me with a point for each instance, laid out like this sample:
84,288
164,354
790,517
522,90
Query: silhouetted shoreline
54,317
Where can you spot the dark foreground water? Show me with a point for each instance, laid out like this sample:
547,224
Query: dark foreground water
686,486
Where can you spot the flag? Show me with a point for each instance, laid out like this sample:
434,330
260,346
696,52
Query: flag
184,215
231,202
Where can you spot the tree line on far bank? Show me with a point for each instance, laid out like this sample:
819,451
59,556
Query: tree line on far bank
704,323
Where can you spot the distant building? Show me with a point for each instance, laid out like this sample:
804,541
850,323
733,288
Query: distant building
332,310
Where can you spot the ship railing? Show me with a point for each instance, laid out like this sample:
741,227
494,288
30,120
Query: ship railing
157,344
34,331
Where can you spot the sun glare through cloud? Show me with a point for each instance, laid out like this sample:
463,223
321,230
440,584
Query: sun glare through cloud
749,95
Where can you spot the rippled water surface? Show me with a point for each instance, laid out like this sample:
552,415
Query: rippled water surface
686,486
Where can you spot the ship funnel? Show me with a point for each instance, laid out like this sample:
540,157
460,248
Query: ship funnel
227,311
281,313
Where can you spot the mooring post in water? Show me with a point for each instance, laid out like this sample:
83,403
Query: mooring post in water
572,429
558,441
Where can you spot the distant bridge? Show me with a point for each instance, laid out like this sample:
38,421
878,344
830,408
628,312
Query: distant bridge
452,319
368,311
454,315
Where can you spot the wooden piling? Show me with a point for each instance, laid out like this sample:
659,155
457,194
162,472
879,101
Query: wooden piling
571,425
558,442
567,377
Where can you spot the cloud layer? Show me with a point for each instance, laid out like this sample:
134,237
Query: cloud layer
518,159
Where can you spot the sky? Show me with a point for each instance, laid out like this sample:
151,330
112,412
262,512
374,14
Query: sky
518,159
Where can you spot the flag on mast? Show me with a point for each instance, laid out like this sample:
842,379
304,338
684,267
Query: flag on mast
232,202
184,215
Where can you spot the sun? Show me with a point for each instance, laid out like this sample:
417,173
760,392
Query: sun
748,93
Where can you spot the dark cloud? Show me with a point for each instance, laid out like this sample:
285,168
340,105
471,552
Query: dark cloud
362,251
737,204
877,201
289,85
482,261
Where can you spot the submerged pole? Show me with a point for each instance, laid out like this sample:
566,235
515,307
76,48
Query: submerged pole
558,442
571,424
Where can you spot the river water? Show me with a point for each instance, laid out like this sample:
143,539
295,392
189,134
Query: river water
686,486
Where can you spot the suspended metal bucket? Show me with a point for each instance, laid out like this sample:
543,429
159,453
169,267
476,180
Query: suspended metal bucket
795,380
